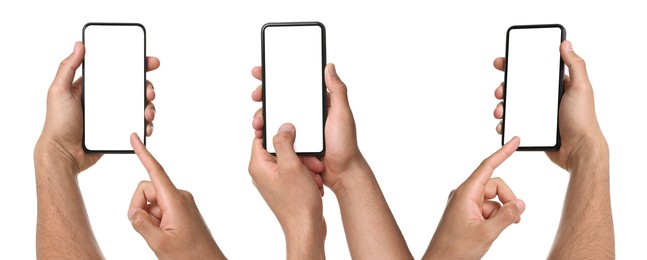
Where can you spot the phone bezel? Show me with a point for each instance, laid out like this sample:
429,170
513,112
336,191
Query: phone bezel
85,148
560,86
323,83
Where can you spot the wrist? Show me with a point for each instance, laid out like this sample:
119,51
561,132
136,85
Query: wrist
356,171
451,250
587,152
305,240
207,251
49,154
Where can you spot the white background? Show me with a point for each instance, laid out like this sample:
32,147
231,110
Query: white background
531,95
293,84
421,86
114,86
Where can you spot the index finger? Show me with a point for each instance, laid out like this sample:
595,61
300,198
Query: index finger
483,173
158,176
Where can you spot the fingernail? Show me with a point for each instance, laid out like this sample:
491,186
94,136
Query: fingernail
76,47
151,126
569,46
520,205
131,213
333,71
286,128
512,137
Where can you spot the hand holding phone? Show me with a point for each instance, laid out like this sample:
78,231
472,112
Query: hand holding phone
293,62
533,86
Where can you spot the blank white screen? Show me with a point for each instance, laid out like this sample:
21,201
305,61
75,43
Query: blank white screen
293,85
114,84
532,86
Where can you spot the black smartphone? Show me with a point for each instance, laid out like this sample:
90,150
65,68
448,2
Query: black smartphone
533,86
294,91
114,86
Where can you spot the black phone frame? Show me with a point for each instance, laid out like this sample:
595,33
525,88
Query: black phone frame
323,82
85,148
560,88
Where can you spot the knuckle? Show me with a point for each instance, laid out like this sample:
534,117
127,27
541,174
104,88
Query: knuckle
510,214
187,195
579,61
451,194
138,221
343,87
279,139
65,64
142,184
457,191
251,169
484,163
158,167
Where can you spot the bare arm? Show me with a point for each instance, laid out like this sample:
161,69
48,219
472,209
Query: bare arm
305,243
63,229
371,229
586,227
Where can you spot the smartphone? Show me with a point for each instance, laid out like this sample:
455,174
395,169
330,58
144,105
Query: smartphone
294,91
533,86
114,86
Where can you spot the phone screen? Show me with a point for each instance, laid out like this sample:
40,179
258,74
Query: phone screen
534,73
114,85
294,92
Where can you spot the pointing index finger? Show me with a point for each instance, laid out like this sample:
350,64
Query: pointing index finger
483,173
158,176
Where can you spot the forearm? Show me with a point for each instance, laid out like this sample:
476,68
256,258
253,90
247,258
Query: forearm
371,229
586,227
305,241
63,229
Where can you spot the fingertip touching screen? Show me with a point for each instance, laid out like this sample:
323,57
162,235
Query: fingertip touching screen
293,85
114,81
534,74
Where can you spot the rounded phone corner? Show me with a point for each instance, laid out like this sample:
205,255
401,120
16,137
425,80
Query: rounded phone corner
86,149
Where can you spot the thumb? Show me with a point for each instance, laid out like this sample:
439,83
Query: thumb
284,143
509,213
67,68
143,224
576,65
338,92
